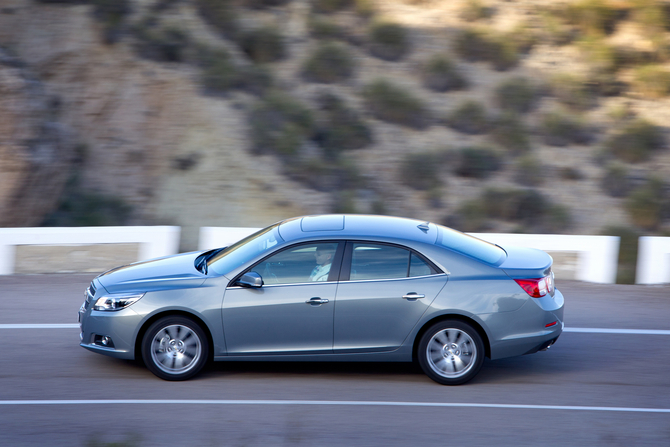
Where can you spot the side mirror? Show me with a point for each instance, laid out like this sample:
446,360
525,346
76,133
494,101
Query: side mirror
250,279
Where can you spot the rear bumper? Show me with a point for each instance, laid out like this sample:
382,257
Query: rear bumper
537,325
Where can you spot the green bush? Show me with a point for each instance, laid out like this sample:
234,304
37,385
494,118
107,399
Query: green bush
330,6
344,203
164,44
263,45
112,14
648,204
559,129
220,14
606,84
255,79
388,41
421,170
526,207
279,124
592,17
323,28
627,261
326,175
469,117
365,9
342,128
570,173
621,113
473,10
528,171
80,207
653,18
330,62
470,216
523,37
218,72
616,182
477,162
511,133
392,103
652,81
440,74
477,45
636,141
259,4
572,91
601,56
554,30
516,94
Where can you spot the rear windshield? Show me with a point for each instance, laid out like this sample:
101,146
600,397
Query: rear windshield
470,246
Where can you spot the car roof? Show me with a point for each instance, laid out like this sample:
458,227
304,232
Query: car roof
357,226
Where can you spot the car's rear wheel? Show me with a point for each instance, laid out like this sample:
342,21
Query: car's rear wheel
451,352
175,348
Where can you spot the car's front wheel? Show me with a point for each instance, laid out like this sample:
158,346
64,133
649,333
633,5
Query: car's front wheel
175,348
451,352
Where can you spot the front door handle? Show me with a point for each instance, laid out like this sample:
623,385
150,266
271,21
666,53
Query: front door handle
412,296
316,301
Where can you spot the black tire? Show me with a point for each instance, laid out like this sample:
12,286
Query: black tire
175,348
451,352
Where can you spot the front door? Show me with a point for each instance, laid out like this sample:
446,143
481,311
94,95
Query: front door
293,312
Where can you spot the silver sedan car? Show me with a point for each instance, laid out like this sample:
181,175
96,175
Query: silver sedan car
330,288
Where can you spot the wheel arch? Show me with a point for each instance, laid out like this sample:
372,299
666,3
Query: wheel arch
478,327
171,313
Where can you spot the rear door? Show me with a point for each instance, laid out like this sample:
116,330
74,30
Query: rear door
383,292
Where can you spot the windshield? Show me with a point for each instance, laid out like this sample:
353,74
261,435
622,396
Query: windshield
471,246
245,250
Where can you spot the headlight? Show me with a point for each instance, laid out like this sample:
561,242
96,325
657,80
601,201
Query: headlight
116,302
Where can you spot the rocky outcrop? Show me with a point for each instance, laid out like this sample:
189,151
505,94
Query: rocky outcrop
35,149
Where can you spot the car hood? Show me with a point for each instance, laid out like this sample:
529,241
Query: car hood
176,271
526,262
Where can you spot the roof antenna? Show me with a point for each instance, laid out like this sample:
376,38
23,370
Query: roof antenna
424,227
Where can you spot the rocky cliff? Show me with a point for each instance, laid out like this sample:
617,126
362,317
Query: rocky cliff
116,94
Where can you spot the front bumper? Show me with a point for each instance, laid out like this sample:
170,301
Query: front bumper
109,333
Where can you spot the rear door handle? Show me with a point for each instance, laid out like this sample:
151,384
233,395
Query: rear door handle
411,296
316,301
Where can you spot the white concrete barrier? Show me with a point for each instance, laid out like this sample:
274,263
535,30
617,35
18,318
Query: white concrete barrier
153,242
597,256
653,260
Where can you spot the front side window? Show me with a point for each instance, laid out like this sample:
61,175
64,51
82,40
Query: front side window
299,264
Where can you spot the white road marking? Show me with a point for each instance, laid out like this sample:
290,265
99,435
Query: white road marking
39,326
584,330
588,330
330,403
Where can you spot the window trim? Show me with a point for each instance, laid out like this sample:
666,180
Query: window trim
334,268
345,269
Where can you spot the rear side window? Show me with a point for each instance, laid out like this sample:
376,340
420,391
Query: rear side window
378,261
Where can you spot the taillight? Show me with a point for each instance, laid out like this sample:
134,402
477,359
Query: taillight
537,287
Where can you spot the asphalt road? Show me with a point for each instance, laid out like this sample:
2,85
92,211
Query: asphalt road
590,389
